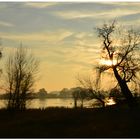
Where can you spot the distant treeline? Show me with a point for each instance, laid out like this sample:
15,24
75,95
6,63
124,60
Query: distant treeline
37,96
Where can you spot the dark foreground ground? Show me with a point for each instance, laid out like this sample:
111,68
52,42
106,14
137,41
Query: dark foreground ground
110,122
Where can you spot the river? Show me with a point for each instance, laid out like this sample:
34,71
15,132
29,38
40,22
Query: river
56,102
52,102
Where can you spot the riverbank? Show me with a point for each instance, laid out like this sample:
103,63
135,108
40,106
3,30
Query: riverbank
110,122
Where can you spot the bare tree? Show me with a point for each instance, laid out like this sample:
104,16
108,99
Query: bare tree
116,94
93,88
120,47
75,97
21,70
79,94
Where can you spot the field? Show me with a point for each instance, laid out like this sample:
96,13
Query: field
111,122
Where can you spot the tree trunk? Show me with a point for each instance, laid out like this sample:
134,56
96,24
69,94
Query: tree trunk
82,101
125,90
75,102
102,102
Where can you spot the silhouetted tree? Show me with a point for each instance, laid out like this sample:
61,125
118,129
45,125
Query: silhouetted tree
1,53
120,47
82,96
42,93
21,70
64,93
116,94
79,94
75,97
93,88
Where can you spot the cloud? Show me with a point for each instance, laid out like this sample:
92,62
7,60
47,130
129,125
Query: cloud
130,17
54,36
58,35
40,4
61,35
74,14
6,24
92,14
134,5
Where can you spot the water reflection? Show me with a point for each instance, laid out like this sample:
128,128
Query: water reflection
58,102
52,102
3,104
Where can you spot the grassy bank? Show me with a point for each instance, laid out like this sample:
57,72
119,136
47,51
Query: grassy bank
110,122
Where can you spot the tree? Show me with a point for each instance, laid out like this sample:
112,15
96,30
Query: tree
21,70
116,94
92,88
79,93
75,97
121,47
42,93
1,54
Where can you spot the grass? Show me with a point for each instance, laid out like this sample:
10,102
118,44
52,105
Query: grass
111,122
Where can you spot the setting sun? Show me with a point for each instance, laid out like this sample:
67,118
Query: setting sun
107,62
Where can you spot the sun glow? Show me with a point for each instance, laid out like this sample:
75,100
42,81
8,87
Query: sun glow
110,101
107,62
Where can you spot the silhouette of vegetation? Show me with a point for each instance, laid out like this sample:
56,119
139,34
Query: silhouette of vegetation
1,54
121,48
65,93
75,97
116,94
110,122
92,88
79,94
21,70
42,93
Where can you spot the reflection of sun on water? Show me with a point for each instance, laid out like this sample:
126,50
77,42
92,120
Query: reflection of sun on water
110,101
108,62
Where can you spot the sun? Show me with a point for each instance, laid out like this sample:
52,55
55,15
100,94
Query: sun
107,62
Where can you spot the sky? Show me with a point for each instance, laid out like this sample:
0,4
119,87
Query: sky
61,35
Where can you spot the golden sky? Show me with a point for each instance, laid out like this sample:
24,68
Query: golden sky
61,35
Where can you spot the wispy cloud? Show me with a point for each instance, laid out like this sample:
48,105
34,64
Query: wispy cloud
40,4
56,36
6,24
92,14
